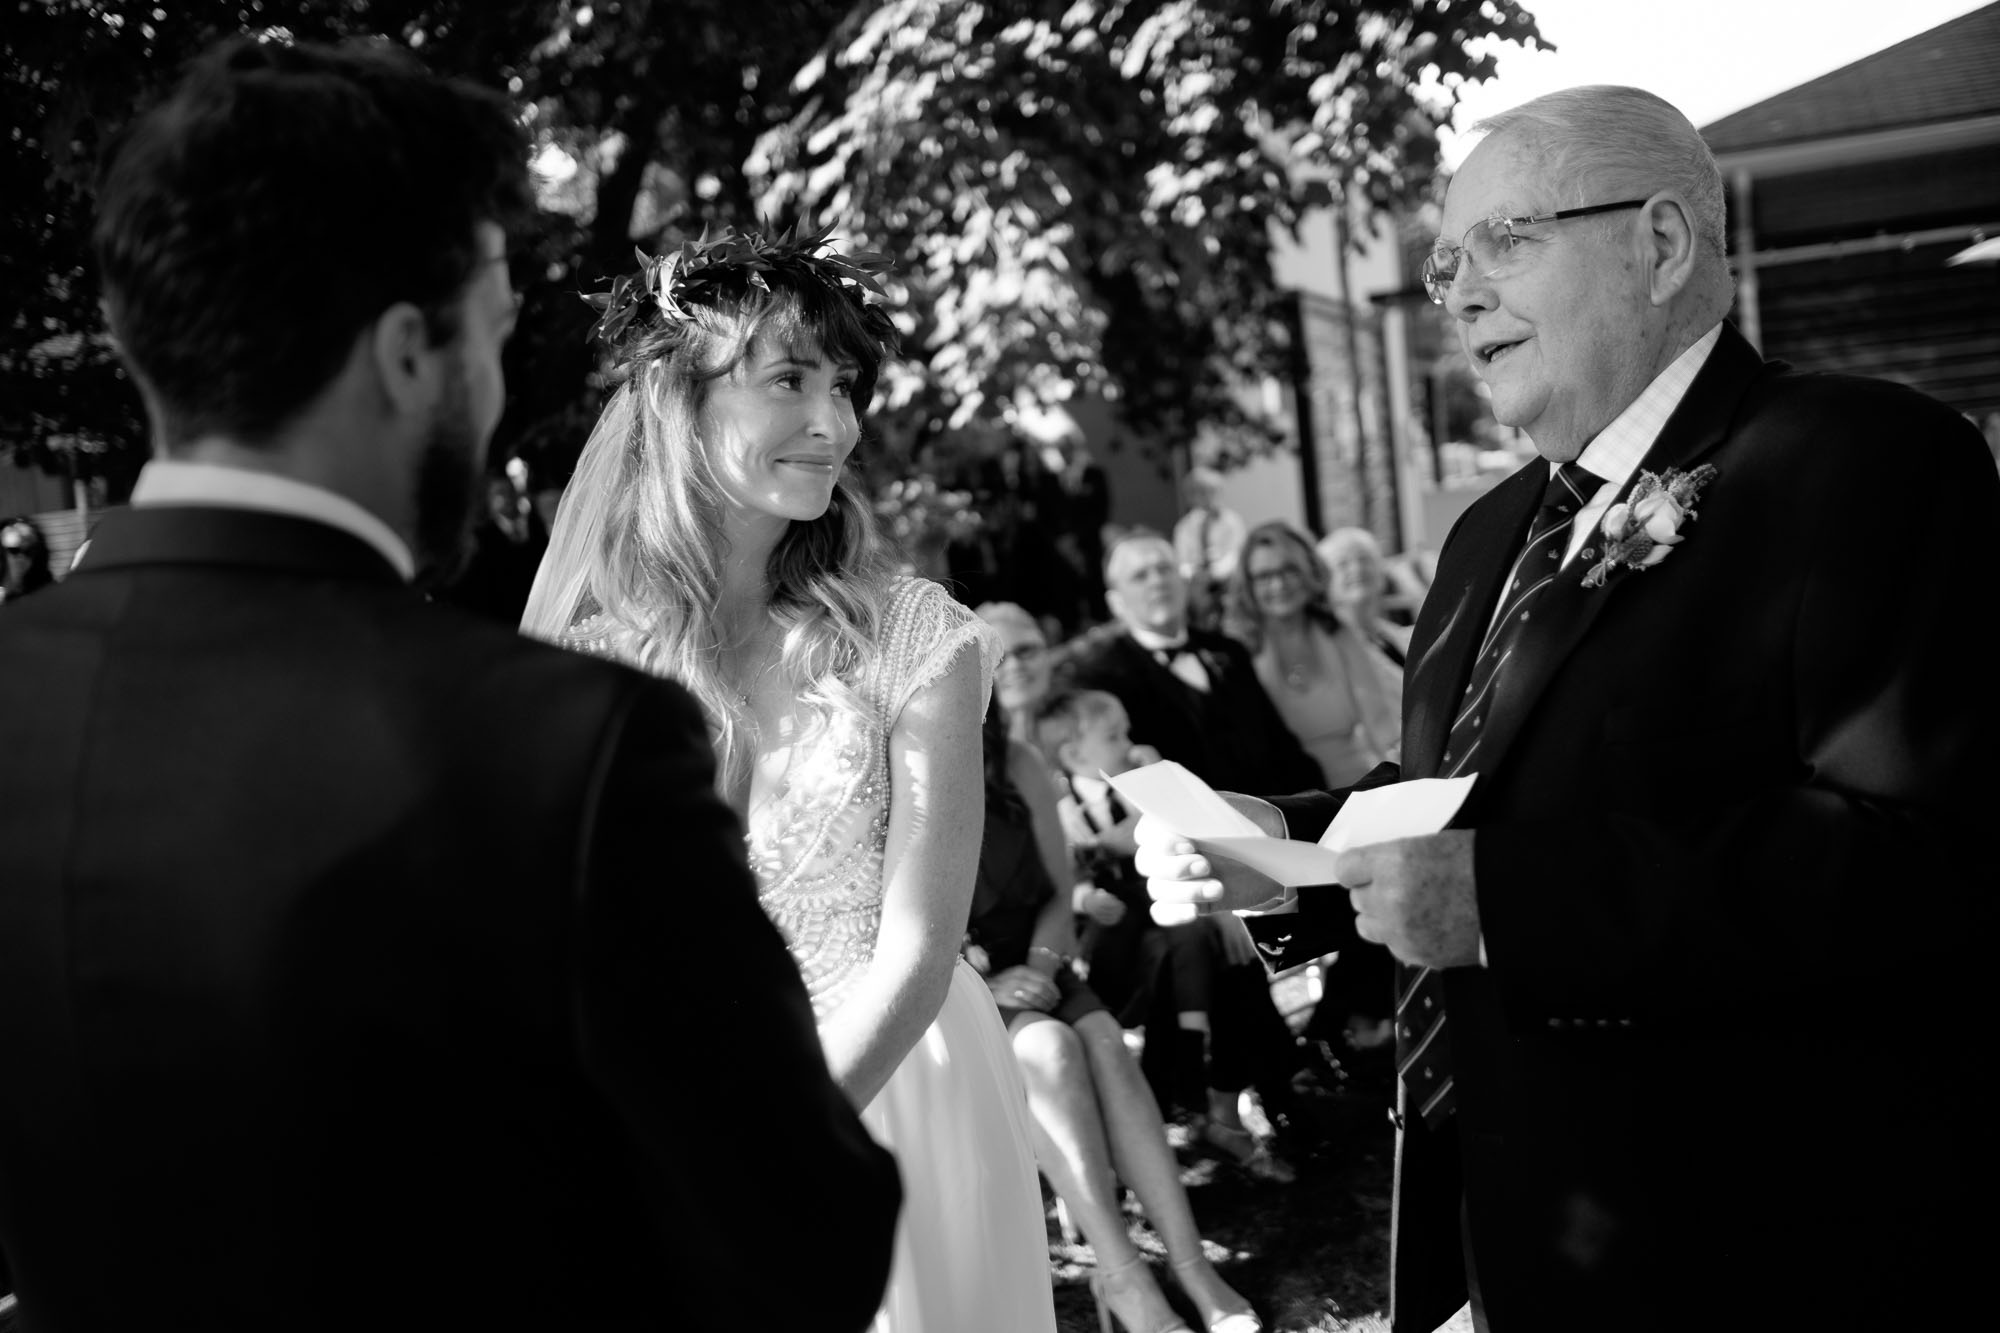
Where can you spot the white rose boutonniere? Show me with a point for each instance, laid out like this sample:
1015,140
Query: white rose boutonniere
1646,527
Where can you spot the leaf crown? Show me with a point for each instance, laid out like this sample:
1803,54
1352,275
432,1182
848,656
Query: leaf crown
661,297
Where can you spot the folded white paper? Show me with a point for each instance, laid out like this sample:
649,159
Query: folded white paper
1400,810
1191,808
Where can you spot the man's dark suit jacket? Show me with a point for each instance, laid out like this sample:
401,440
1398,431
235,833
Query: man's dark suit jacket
365,964
1730,819
1231,737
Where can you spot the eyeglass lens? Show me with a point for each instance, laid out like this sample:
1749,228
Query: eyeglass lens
1485,244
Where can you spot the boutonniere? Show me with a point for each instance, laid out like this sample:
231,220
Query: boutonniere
1640,532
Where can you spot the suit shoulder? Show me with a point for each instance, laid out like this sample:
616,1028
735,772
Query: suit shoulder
1837,417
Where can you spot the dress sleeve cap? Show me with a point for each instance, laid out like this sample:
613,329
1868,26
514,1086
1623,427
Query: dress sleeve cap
924,632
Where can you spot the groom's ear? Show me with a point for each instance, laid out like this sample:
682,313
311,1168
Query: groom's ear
407,364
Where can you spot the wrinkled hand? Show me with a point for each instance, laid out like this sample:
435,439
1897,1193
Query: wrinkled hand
1237,946
1022,987
1182,882
1415,895
1102,906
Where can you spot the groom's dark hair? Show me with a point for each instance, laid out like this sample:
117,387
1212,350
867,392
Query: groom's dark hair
282,197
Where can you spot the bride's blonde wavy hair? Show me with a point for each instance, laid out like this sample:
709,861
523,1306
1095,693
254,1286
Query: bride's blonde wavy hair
634,566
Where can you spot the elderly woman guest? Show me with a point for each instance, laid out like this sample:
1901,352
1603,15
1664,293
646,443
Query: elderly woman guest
1356,586
1333,684
1022,680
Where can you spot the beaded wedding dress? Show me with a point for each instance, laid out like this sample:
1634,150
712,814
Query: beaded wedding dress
971,1248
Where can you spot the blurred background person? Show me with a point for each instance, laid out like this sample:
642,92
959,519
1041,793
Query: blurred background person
507,546
1193,696
1334,683
1358,589
26,555
1207,541
1094,1121
1022,679
1339,689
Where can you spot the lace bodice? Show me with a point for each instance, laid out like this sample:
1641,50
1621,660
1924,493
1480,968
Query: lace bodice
816,842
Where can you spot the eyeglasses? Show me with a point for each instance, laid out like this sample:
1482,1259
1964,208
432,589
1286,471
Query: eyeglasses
1024,653
1490,243
1272,578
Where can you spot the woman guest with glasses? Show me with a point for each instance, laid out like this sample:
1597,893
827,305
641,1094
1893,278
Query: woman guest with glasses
1333,667
1335,688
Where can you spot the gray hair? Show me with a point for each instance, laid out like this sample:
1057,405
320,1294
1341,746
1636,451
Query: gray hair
1603,142
999,614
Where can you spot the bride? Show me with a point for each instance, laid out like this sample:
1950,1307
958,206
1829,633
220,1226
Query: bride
713,533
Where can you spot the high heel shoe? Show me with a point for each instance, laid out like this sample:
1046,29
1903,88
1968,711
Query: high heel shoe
1249,1154
1130,1292
1230,1314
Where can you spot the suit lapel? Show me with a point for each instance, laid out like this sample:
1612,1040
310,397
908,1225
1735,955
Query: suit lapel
1565,610
1442,656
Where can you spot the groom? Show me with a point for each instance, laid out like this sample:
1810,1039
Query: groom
1686,1026
363,964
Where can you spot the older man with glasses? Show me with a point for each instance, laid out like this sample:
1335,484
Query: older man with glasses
1732,766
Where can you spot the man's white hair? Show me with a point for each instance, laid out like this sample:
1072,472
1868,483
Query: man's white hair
1604,142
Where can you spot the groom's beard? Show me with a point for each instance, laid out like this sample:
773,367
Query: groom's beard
450,485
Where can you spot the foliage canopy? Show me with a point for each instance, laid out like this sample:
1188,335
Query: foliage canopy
1079,194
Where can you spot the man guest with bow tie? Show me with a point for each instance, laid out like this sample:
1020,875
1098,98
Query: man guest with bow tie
1685,1025
1191,693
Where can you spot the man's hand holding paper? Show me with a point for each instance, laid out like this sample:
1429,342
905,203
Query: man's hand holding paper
1409,879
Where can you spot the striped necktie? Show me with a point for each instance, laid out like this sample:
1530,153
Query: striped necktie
1423,1047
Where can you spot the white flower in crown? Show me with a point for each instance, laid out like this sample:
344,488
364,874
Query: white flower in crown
1643,530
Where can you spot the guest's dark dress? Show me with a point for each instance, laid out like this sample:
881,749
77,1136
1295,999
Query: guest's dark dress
1012,888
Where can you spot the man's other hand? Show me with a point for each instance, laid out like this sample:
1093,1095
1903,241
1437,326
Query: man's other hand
1415,895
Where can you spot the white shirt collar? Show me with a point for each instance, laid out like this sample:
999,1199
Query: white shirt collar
1152,642
170,481
1621,446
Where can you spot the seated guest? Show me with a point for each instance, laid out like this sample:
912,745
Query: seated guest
1336,689
1164,979
1022,679
1358,590
1193,696
1087,1100
1020,683
1086,737
1338,683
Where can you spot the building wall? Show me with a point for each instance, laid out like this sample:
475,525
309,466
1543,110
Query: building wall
1898,312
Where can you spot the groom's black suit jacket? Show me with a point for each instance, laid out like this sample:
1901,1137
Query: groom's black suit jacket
364,964
1730,864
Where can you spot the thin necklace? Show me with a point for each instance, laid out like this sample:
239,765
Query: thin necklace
1299,674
